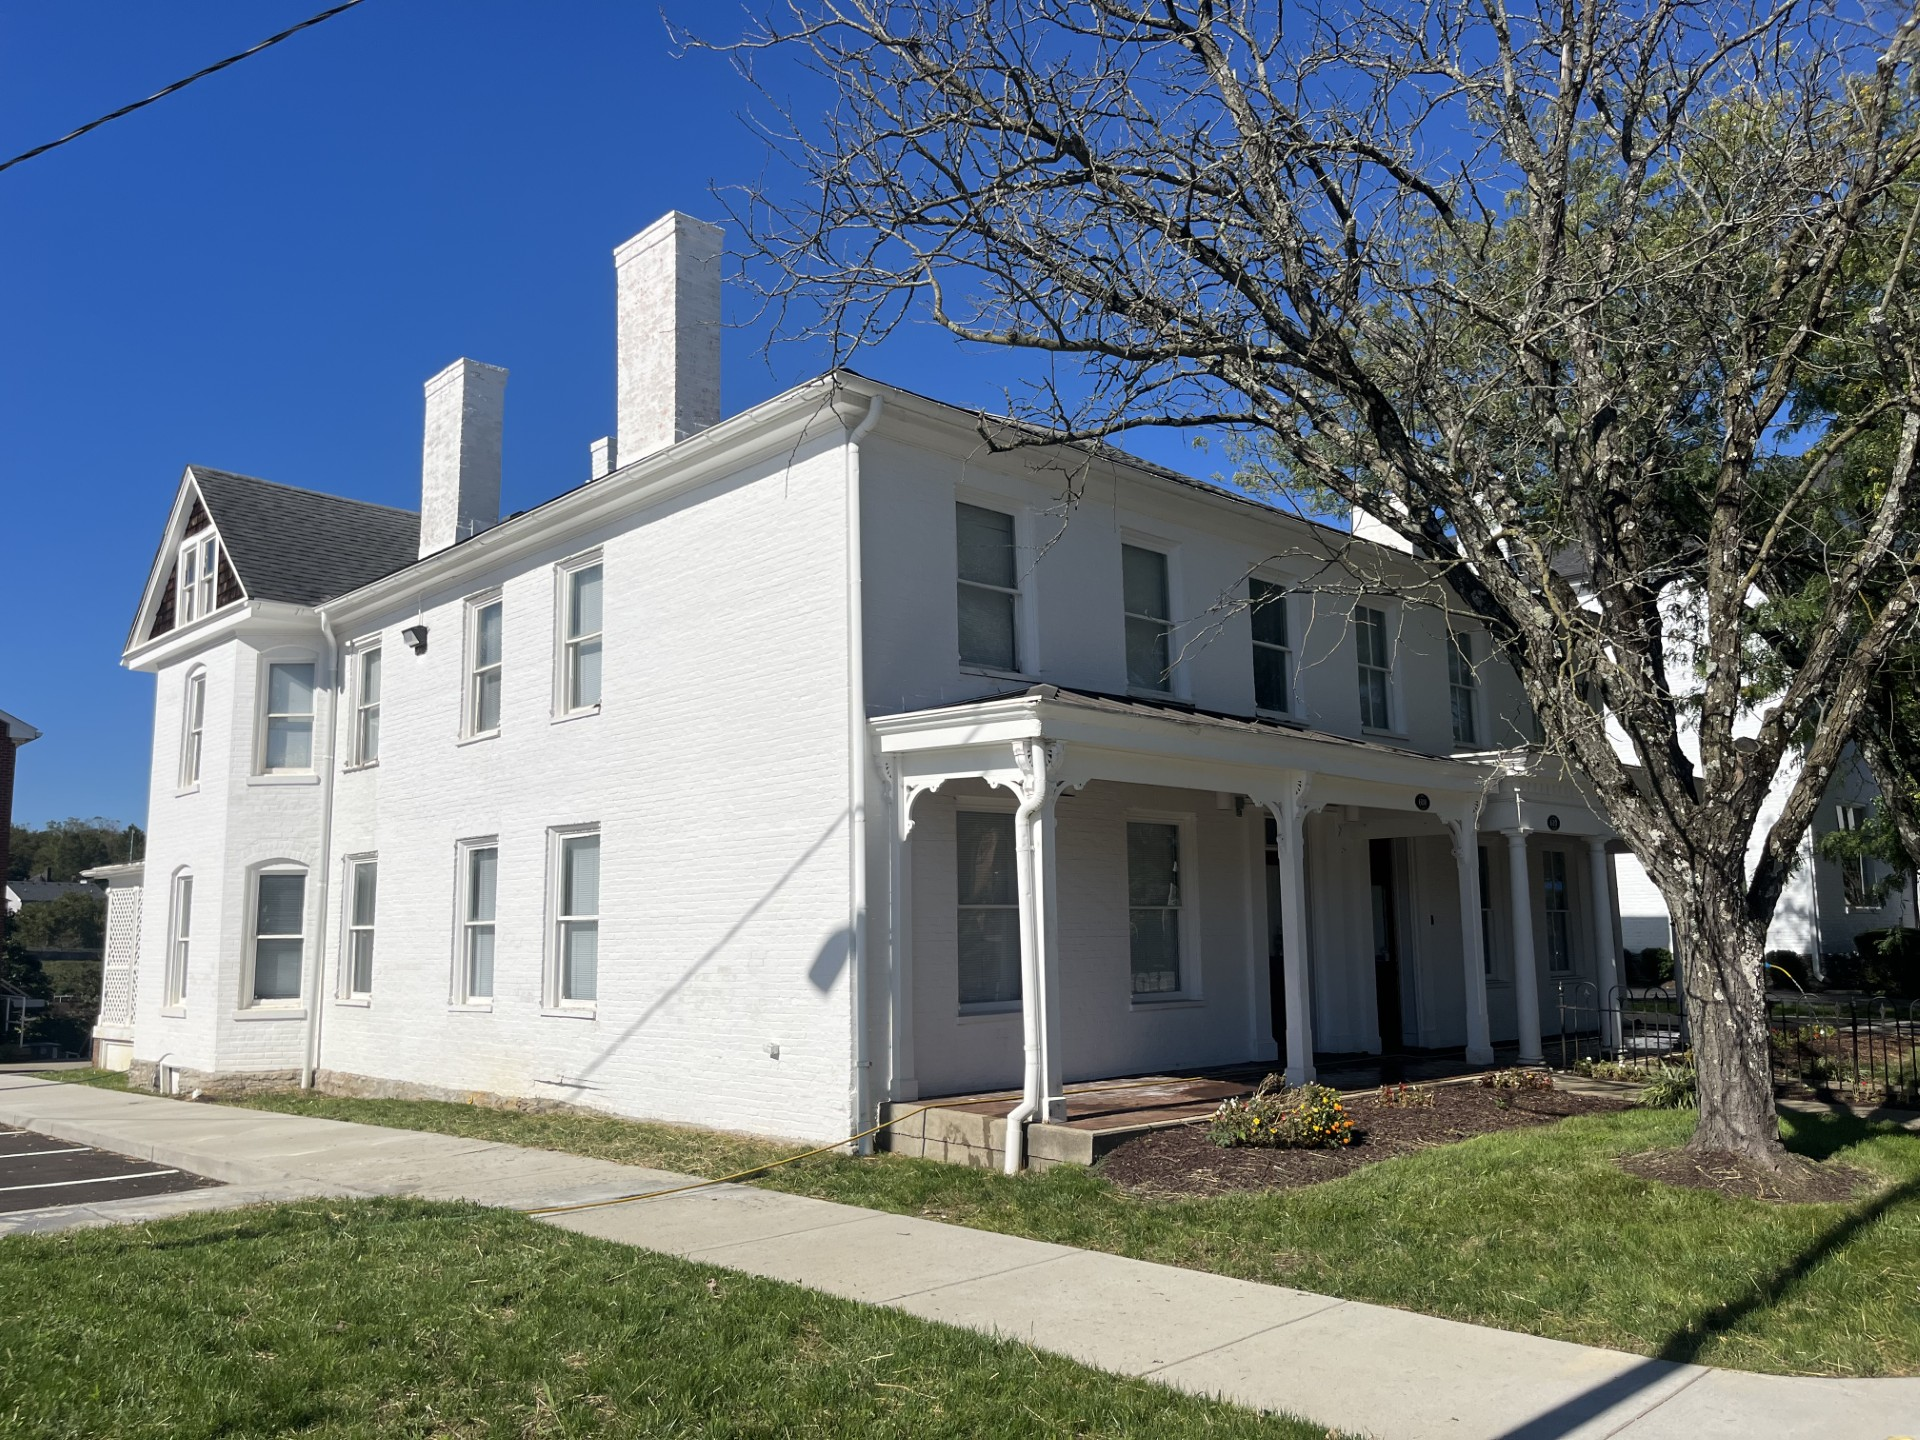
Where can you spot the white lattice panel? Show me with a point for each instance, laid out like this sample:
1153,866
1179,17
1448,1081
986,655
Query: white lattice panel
122,957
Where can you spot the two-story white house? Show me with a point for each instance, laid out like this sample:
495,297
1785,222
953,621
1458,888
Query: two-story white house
821,755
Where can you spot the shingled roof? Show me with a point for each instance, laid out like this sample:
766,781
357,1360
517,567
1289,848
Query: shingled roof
302,547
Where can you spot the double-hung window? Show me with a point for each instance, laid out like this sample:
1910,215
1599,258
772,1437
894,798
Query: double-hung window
1463,689
366,708
479,895
1272,649
1153,906
179,939
1145,594
1855,888
198,583
483,667
1553,875
1375,648
289,718
279,934
989,911
193,728
989,589
576,940
580,640
363,888
1486,911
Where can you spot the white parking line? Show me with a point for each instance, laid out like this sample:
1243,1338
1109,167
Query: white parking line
30,1154
97,1180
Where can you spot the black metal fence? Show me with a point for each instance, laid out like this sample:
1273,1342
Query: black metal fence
1863,1048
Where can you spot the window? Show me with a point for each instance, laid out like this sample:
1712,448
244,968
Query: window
479,887
1143,579
289,743
363,881
198,578
1486,911
1376,667
577,919
1153,903
1553,873
483,668
1855,886
366,708
580,658
179,935
279,930
193,727
989,589
1272,654
989,909
1463,687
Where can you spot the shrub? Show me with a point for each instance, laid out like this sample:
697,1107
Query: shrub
1786,966
1889,961
1515,1080
1843,970
1303,1117
1407,1097
1652,966
1674,1086
1604,1069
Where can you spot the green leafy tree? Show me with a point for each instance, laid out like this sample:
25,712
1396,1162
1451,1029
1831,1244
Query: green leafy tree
74,921
63,848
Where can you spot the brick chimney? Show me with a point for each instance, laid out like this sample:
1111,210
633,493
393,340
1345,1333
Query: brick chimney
460,457
668,382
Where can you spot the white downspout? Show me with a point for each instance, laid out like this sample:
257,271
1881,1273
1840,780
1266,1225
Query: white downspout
1031,928
857,787
315,1001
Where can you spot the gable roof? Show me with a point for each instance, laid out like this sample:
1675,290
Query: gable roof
299,546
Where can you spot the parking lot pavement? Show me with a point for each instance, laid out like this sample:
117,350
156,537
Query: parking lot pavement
37,1171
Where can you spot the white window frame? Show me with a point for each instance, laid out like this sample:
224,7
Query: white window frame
179,940
1571,947
1176,677
264,718
249,986
193,729
471,668
1025,632
556,1001
195,599
1462,641
1290,650
352,932
565,646
1490,949
359,655
464,924
982,805
1191,990
1389,621
1850,818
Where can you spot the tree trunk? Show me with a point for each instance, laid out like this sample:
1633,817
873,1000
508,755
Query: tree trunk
1725,1000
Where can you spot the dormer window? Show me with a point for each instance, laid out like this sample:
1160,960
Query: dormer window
198,578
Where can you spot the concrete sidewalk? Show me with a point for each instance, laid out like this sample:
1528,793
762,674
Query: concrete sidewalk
1362,1369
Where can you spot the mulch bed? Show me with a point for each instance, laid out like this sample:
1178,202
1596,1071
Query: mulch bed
1183,1162
1798,1182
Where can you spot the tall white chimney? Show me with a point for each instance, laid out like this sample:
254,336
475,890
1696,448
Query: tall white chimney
460,459
668,386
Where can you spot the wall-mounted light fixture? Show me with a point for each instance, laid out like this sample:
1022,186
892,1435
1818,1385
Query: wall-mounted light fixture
415,636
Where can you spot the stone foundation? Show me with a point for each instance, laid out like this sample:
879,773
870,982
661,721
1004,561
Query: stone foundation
372,1087
145,1075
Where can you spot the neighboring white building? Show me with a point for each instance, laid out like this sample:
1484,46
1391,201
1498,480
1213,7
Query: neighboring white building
816,756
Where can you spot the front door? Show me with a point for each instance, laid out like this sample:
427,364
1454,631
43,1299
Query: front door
1386,959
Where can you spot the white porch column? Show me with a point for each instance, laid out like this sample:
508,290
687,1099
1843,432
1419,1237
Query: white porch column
1289,822
1608,968
1473,970
1526,965
1046,850
901,1081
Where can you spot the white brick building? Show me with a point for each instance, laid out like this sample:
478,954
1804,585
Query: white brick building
819,755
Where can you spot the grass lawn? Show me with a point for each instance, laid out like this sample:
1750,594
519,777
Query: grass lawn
1533,1230
399,1318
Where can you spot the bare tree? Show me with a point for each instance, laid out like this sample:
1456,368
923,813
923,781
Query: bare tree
1533,283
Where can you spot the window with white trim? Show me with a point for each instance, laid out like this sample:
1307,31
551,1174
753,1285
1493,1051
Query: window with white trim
1153,906
179,939
363,894
1486,911
479,898
288,718
989,909
1463,689
989,591
1272,647
193,723
1375,649
576,926
197,579
1146,597
1553,883
279,934
582,590
366,706
484,650
1856,887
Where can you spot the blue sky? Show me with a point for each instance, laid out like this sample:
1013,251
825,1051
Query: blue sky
258,273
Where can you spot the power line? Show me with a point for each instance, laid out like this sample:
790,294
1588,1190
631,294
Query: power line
179,84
